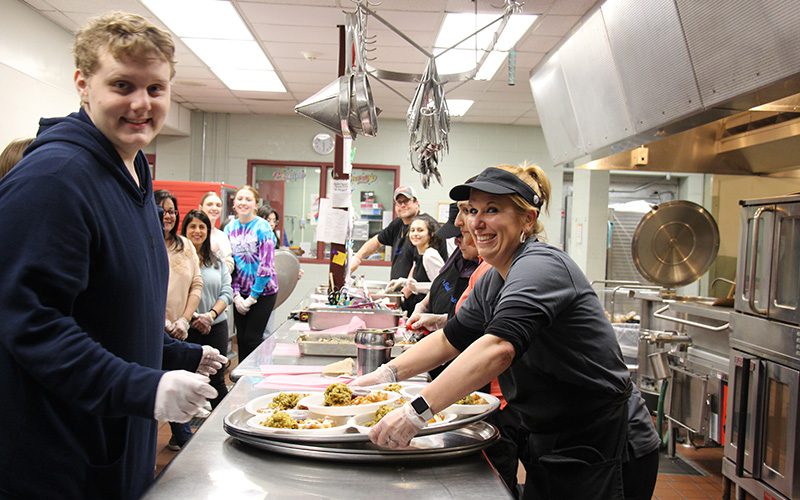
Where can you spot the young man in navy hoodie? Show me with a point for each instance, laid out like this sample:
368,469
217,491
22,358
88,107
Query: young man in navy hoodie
84,285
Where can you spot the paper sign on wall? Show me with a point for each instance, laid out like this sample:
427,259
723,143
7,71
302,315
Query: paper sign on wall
333,224
340,193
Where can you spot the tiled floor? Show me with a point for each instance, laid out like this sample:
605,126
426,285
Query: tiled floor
682,486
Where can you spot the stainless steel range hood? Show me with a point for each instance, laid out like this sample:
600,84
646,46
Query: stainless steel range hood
681,77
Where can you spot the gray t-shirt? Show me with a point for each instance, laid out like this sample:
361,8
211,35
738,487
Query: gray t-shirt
568,363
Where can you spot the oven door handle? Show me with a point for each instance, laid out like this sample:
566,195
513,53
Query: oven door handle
751,291
743,389
660,314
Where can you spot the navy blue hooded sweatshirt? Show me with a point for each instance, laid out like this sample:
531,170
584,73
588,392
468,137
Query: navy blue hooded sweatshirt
82,300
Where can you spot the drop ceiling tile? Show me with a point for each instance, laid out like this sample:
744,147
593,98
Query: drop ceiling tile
309,35
555,25
536,43
572,7
224,108
292,15
186,72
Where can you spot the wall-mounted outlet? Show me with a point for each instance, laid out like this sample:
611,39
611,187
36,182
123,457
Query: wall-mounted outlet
639,156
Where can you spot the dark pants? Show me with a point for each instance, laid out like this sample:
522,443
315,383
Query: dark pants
181,433
503,454
639,476
583,461
250,327
218,339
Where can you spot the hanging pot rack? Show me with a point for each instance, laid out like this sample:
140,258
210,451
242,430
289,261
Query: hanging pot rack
353,111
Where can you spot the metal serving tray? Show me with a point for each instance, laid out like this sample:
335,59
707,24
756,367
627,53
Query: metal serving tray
320,319
451,444
318,344
236,422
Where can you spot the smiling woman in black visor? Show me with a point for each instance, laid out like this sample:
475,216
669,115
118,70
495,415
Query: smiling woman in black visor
535,322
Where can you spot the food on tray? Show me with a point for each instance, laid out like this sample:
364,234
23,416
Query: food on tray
393,387
338,395
382,412
341,367
341,395
284,401
280,420
472,399
372,397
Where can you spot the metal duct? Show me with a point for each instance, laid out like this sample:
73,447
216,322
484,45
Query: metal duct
643,71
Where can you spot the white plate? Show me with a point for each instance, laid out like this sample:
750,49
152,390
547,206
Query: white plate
413,391
358,421
315,404
260,405
410,391
340,427
403,387
492,404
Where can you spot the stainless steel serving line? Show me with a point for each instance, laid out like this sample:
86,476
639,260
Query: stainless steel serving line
216,465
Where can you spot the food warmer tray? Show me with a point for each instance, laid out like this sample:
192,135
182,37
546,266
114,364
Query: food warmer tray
322,319
235,424
452,444
312,344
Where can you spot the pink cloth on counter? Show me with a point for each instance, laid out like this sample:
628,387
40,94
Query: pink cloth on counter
355,324
282,349
299,382
291,369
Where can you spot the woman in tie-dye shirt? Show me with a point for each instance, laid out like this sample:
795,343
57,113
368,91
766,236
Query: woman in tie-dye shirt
255,284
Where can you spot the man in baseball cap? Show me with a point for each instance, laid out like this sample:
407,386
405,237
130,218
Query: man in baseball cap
395,235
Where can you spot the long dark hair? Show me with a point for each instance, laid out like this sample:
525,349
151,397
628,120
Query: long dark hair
432,226
173,241
207,257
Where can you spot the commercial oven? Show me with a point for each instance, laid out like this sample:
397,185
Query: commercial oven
762,448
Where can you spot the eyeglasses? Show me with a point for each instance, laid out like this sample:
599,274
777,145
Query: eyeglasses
170,212
405,201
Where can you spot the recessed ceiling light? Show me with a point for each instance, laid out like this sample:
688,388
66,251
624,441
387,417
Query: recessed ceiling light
458,107
219,37
458,26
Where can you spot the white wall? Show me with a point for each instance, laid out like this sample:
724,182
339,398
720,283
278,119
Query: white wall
36,70
221,144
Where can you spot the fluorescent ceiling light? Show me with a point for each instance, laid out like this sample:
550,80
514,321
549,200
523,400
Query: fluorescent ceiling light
236,54
458,107
215,32
200,18
457,26
256,80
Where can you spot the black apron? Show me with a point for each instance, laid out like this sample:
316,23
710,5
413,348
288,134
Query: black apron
446,289
583,462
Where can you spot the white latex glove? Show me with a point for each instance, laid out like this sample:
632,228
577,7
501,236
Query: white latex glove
180,329
168,326
202,323
238,303
211,361
410,288
181,395
250,301
355,261
395,284
426,321
396,429
382,375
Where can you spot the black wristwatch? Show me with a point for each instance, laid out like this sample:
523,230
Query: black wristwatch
422,408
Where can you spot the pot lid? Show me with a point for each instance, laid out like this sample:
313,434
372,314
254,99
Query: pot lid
675,243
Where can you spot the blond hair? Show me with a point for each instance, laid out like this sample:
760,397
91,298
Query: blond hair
533,176
124,35
12,154
253,190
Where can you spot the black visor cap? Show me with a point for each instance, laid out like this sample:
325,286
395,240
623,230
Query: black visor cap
497,181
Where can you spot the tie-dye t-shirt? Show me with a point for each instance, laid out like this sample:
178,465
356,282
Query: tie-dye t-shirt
253,246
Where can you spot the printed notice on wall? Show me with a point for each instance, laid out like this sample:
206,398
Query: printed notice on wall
333,224
340,195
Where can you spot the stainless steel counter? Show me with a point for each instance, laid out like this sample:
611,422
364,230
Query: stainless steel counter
214,465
